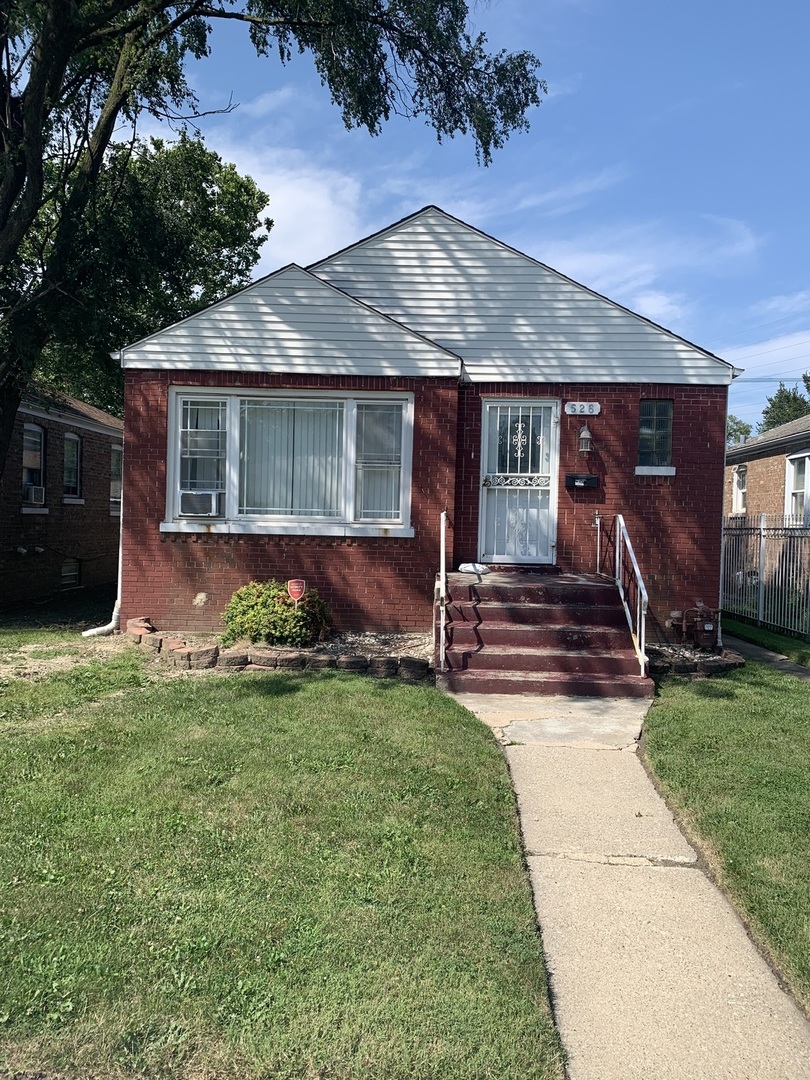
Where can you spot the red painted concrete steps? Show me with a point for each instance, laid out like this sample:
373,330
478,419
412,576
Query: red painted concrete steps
527,633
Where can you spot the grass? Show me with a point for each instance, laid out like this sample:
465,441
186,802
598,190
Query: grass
795,649
734,758
265,876
25,701
56,624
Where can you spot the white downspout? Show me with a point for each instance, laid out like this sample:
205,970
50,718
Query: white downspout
115,622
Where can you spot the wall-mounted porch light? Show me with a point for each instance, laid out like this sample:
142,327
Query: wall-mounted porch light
585,440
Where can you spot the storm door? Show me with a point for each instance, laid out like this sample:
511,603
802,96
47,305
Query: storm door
518,521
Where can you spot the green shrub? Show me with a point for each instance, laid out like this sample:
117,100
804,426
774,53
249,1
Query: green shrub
264,611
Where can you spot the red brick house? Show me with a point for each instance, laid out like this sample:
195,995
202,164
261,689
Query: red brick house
770,474
317,423
60,498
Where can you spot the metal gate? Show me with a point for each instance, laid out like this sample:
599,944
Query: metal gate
766,570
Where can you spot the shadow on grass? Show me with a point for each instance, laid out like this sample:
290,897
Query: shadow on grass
280,684
735,686
76,610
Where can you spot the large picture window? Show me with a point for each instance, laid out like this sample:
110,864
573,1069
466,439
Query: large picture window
291,463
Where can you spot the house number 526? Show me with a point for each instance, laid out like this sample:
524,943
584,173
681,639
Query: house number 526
583,408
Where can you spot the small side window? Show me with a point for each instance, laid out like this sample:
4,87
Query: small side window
797,502
739,489
72,480
655,433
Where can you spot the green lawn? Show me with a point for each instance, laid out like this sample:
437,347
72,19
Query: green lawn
796,649
734,757
249,876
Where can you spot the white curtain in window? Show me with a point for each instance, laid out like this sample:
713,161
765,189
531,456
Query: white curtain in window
291,458
378,460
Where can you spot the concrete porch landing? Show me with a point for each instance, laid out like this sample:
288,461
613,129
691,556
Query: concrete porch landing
652,974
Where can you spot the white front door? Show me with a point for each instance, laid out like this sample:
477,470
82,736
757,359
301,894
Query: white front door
519,455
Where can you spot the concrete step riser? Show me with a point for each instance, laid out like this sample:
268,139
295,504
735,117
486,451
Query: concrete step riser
477,682
558,663
533,594
469,636
516,634
538,614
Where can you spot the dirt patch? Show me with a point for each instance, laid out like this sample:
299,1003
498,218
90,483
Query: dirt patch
37,661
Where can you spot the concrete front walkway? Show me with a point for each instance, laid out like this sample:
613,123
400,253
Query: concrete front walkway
652,974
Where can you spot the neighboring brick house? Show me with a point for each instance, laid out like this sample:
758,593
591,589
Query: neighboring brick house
317,423
60,498
770,474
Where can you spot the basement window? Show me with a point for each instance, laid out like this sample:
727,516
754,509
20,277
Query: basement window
71,574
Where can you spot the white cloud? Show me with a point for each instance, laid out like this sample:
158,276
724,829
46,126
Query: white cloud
316,208
270,103
765,364
784,357
568,196
632,261
661,307
789,304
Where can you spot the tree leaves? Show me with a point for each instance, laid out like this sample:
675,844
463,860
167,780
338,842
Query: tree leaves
70,73
788,403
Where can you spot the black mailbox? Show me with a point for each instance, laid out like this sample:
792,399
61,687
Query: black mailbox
581,480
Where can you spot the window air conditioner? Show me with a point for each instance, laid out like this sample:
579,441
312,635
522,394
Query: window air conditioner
34,494
200,503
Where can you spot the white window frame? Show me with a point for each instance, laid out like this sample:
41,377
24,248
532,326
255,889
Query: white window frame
115,504
234,522
657,470
35,508
70,498
739,492
789,486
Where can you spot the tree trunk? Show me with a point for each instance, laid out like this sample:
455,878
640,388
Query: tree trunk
10,398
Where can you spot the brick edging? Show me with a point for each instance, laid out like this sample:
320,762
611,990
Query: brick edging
177,651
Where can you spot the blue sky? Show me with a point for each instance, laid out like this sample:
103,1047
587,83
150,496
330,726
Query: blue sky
667,167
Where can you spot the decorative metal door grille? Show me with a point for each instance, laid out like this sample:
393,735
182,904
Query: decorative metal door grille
520,460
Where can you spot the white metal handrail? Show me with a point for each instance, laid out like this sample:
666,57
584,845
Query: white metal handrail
634,585
442,589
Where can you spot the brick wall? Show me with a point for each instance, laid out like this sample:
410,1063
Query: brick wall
85,532
674,521
183,581
765,493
